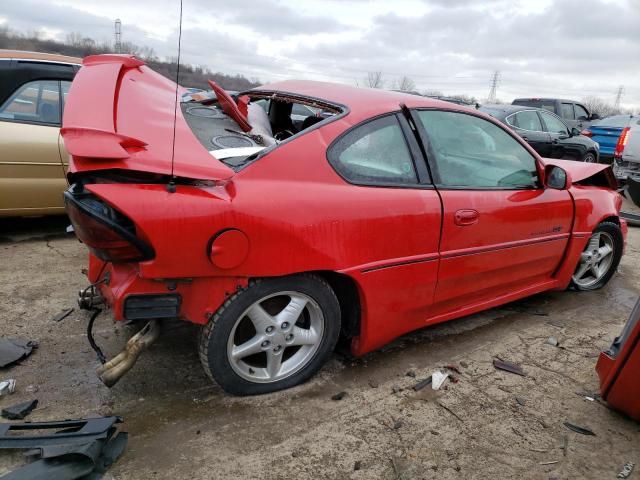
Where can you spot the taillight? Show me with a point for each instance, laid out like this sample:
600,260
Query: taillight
586,133
110,235
622,142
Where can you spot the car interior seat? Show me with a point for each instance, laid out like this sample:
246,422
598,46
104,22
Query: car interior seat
49,113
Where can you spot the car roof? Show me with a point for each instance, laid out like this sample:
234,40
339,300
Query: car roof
361,102
553,99
507,109
45,57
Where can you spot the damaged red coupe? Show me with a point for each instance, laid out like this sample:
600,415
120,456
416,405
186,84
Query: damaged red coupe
300,212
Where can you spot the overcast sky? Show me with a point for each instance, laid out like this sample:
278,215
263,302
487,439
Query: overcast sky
567,48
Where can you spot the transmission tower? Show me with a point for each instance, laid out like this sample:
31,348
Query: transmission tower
495,80
619,97
118,36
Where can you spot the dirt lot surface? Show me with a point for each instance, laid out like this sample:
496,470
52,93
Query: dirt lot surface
490,424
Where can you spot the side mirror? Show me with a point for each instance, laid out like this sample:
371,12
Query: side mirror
556,178
575,132
595,116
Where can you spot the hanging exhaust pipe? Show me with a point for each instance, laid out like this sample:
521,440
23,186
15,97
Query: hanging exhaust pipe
112,371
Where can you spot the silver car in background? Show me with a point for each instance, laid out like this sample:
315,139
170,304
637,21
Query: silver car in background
627,153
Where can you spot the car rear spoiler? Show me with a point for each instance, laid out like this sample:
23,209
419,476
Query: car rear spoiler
120,114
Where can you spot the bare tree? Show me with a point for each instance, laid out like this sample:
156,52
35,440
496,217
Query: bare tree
374,80
405,84
600,106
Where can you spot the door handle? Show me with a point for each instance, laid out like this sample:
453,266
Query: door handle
466,217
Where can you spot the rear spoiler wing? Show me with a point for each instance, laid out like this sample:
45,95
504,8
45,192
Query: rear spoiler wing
120,114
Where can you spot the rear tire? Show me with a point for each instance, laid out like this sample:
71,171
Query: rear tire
590,157
600,258
275,334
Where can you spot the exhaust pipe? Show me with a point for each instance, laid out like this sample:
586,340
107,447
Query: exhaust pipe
112,371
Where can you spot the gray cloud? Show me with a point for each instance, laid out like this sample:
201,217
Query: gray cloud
571,48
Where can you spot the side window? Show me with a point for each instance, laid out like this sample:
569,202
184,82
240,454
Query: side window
567,111
581,112
37,102
64,88
374,153
554,124
529,120
473,152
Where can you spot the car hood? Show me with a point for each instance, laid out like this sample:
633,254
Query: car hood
120,114
586,173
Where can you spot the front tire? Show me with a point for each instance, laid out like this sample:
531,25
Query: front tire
590,157
600,258
274,334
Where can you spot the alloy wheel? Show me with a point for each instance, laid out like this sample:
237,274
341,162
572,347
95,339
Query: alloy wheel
595,260
275,337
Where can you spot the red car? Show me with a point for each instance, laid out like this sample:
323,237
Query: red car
378,214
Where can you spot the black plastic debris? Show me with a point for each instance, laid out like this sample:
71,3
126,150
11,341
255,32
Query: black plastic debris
67,449
19,410
578,429
339,396
422,383
14,349
63,314
508,367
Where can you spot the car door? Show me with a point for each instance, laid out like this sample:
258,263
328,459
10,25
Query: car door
582,117
527,124
31,173
567,114
563,145
502,232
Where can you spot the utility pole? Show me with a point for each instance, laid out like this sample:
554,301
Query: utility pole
118,36
619,97
495,80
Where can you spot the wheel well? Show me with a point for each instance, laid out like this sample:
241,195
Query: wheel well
611,219
347,292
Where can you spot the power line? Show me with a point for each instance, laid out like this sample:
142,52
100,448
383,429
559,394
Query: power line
619,97
495,79
118,36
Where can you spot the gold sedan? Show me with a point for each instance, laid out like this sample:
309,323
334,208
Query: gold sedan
33,161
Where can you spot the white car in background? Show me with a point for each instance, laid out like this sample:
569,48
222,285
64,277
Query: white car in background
627,153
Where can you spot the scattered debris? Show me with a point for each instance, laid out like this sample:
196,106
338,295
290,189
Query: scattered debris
397,424
437,379
580,430
373,384
396,389
32,389
508,367
552,462
592,397
453,368
450,411
411,374
64,314
14,349
565,445
434,432
7,387
339,396
19,411
521,401
464,364
553,341
422,383
357,466
626,471
67,449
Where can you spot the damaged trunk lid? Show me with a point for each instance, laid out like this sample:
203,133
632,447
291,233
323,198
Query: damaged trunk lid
119,114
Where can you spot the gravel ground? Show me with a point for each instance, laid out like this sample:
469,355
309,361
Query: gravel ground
489,424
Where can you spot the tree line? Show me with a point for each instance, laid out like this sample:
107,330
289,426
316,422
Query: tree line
78,45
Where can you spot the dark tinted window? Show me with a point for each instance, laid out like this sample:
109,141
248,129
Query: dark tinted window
545,104
374,153
581,113
473,152
529,120
566,111
553,123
